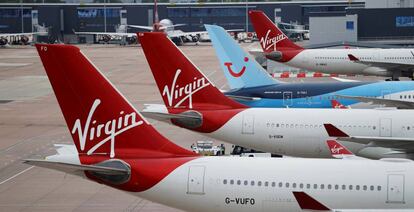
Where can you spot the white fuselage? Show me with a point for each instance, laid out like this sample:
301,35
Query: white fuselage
301,132
266,184
337,61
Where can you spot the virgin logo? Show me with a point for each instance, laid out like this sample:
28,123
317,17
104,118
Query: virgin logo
268,43
183,92
336,150
105,131
233,73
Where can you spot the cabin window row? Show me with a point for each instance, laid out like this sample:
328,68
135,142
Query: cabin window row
302,185
396,58
406,96
279,125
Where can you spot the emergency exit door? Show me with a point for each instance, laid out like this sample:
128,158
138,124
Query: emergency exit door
287,98
195,183
385,127
248,124
395,190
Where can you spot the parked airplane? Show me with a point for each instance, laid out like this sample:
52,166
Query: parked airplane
165,25
392,63
251,85
22,38
193,102
117,147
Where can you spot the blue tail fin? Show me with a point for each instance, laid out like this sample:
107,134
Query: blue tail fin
240,69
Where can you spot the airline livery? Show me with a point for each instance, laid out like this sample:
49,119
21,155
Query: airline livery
276,45
117,147
196,104
251,85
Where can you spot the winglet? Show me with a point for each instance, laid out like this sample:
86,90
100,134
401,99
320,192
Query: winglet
337,105
352,58
337,150
334,132
306,202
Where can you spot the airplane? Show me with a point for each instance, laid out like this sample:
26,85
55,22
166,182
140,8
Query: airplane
394,63
251,85
117,147
192,101
165,25
22,38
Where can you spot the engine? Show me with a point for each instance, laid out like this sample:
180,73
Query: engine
3,41
106,38
275,55
24,40
190,123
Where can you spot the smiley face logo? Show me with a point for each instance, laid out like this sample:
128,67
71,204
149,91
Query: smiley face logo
233,73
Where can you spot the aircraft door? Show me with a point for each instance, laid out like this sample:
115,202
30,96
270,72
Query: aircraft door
395,188
386,94
287,98
248,124
385,127
195,184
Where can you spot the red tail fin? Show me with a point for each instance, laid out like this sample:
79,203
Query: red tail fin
102,122
306,202
270,36
179,81
337,105
337,150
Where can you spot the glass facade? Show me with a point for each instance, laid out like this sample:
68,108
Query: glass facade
404,21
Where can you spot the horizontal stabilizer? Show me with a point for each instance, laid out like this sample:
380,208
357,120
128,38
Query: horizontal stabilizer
243,98
73,168
387,102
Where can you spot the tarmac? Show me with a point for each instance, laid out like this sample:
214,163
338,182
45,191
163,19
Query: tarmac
31,123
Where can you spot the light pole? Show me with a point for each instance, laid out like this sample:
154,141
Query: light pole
247,16
21,11
105,14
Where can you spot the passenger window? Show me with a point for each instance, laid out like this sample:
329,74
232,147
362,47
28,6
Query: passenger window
301,185
252,183
259,183
329,186
294,185
315,186
364,187
372,188
322,186
238,182
280,184
231,182
273,184
379,188
343,187
266,184
357,187
246,182
287,185
350,187
336,187
308,186
224,182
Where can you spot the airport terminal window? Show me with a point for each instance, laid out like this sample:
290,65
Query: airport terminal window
217,12
178,12
15,13
98,13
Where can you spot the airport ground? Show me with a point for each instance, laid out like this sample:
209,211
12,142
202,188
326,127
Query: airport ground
31,123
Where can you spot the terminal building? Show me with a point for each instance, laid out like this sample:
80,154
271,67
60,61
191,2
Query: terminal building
382,21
